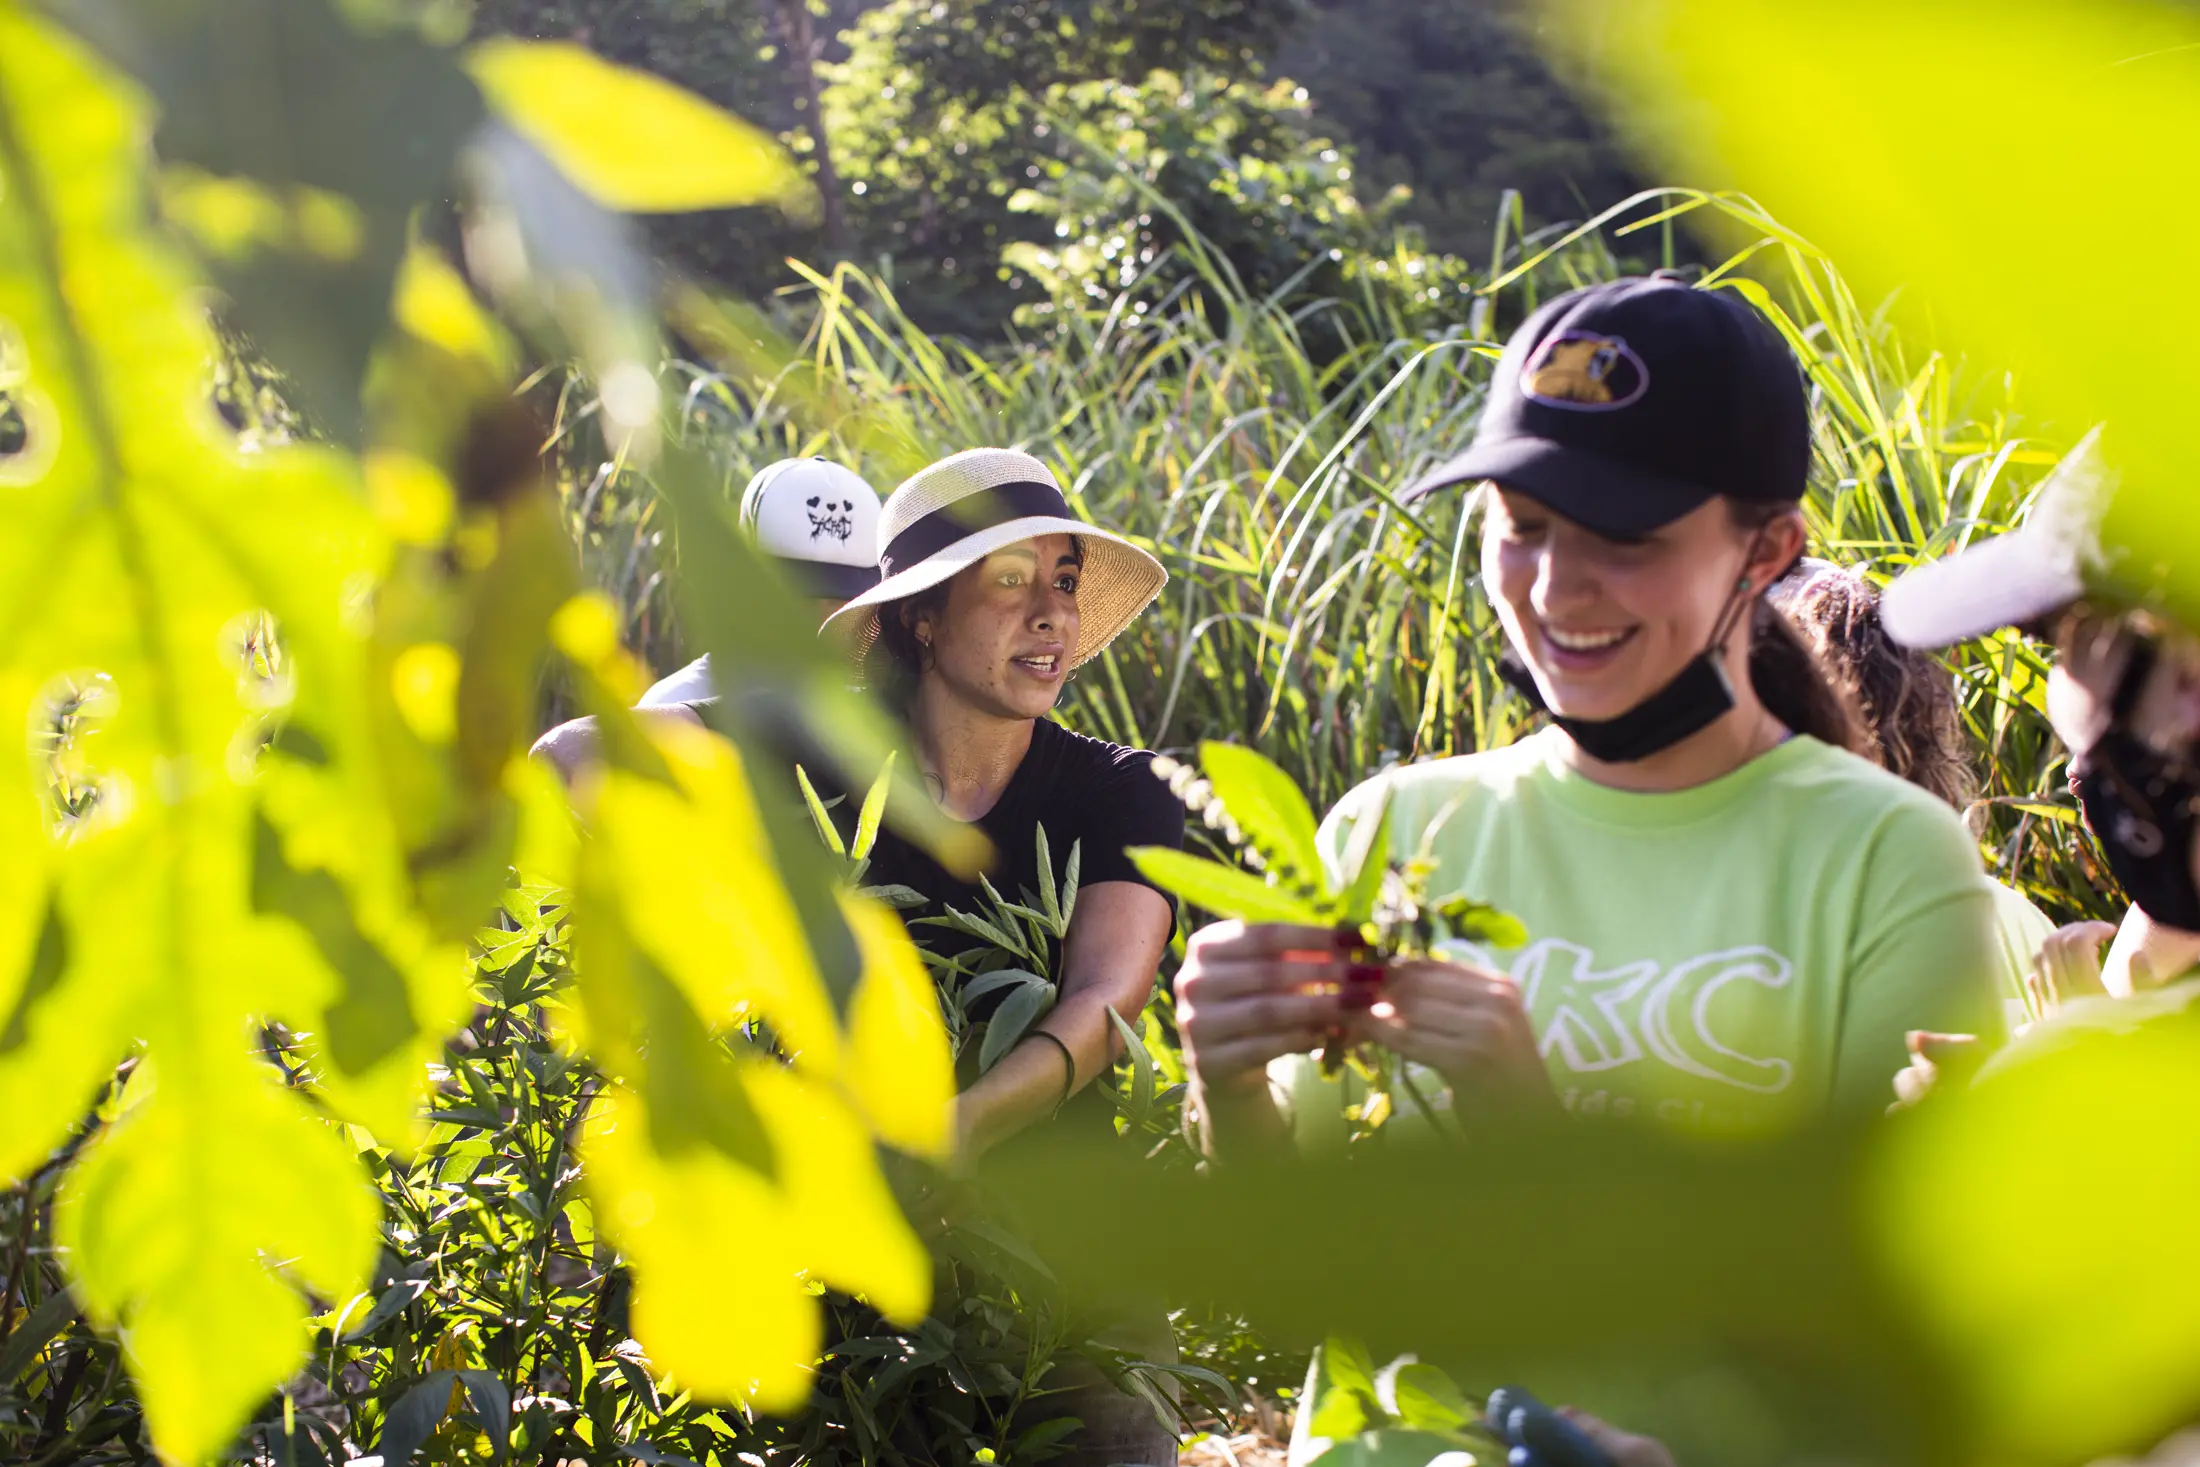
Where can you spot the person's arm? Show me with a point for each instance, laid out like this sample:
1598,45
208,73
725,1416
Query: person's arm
575,743
2147,955
1109,958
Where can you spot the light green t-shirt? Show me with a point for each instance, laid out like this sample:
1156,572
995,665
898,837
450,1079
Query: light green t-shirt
1738,957
2023,930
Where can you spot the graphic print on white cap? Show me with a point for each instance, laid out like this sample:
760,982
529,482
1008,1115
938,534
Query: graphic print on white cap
821,520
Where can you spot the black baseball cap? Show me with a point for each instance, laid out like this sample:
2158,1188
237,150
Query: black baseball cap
1625,405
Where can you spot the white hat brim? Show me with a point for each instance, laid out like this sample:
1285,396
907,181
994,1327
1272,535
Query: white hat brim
1120,580
2006,581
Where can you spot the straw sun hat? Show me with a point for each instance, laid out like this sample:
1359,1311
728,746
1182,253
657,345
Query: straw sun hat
954,514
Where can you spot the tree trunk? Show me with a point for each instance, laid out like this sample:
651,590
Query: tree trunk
794,20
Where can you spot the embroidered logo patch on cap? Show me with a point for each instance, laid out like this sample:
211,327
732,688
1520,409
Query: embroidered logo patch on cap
1583,372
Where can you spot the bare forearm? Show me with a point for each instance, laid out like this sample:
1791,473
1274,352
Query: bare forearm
2147,955
1028,1082
1108,960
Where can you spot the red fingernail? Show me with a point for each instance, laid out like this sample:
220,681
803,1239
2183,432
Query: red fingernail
1362,983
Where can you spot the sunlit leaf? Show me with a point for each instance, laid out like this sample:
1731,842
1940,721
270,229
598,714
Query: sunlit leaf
898,1068
1367,857
2071,1343
1977,112
874,810
720,1253
634,141
690,870
371,122
177,1239
1224,890
1268,807
215,594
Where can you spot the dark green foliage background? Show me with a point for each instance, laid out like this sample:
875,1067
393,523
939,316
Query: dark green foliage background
941,111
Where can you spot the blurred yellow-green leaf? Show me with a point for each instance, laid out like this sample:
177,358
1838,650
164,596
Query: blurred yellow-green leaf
898,1068
173,1226
211,885
1945,150
634,142
721,1253
689,867
2024,1219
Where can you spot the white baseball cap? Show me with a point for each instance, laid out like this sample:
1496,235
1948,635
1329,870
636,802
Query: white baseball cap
2044,564
820,520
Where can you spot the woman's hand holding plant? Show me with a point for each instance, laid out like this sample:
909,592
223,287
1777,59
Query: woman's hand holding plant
1247,995
1468,1024
1319,962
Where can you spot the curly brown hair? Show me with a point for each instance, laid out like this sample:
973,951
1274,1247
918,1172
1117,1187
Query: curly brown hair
1903,696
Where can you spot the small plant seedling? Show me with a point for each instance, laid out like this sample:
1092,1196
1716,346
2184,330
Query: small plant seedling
1380,907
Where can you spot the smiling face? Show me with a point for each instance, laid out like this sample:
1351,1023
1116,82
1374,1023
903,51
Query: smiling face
1603,623
1003,639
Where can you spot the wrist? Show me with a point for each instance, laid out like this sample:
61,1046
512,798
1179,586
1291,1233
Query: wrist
1523,1087
969,1129
1240,1090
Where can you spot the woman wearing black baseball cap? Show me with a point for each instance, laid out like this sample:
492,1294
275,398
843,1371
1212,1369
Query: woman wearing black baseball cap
1733,919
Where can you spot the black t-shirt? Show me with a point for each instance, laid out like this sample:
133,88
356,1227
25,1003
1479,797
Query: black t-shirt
1097,797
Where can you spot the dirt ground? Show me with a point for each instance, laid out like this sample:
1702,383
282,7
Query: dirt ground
1260,1438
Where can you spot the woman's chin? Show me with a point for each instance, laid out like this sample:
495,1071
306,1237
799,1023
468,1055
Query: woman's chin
1032,702
1569,698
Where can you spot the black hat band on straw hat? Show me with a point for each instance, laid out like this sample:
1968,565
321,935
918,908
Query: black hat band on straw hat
966,516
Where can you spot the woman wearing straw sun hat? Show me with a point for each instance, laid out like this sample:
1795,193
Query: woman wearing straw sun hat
991,594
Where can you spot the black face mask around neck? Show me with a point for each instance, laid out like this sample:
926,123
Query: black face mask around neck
2143,807
1698,696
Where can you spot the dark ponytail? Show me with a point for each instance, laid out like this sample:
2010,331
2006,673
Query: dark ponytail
1903,699
1788,677
1792,683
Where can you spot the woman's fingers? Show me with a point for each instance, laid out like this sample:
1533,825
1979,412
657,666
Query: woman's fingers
1239,942
1238,1012
1938,1063
1431,980
1213,980
2069,961
1440,1049
1258,1013
1912,1083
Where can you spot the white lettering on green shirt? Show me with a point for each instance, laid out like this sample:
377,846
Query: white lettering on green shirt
1739,956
